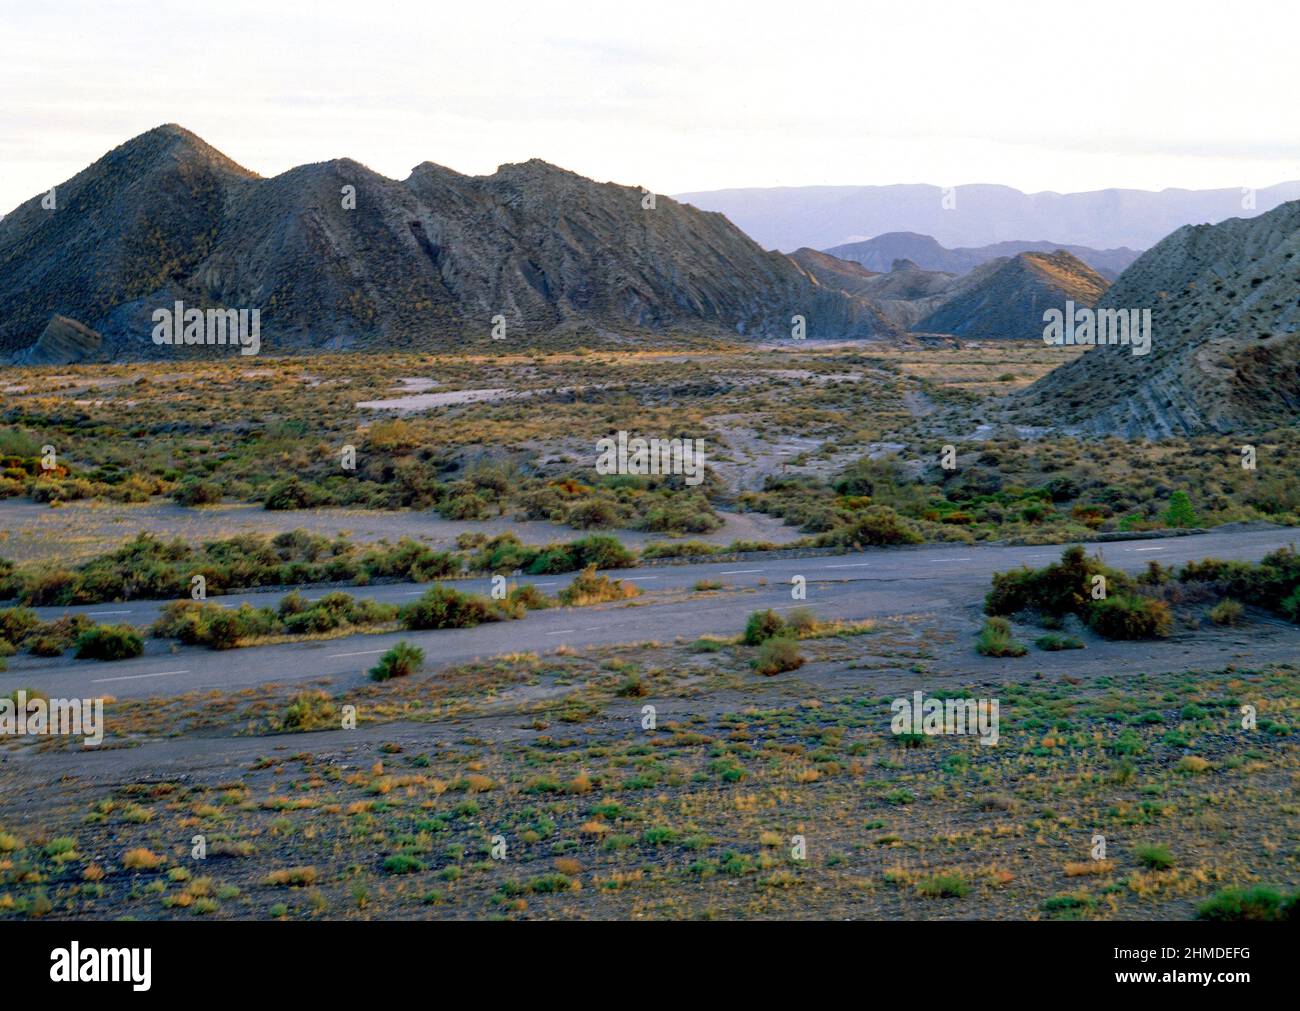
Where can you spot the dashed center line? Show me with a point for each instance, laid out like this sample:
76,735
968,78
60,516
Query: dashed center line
134,677
96,614
854,565
562,631
364,652
1148,549
738,572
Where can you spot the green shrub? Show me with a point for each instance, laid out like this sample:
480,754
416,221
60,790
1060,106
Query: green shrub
1053,643
879,525
1227,612
109,642
1156,857
401,660
778,655
195,491
1237,905
1121,616
443,607
1064,587
761,626
16,623
995,639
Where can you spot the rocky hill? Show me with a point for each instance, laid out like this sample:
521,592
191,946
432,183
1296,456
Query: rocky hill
1225,339
433,258
1009,299
928,254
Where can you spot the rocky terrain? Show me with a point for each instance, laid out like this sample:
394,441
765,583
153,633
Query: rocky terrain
436,256
1225,302
878,253
1008,298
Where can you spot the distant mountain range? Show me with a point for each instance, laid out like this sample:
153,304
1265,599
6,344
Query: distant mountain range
879,253
822,217
435,257
1225,339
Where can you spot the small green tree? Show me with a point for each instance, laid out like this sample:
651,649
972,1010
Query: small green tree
1180,512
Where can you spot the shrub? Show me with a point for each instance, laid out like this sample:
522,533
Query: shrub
943,886
589,588
1156,857
1054,643
443,607
995,639
109,642
1227,612
16,623
529,597
401,660
294,493
778,655
194,492
1121,616
401,863
1235,905
880,525
761,626
1061,588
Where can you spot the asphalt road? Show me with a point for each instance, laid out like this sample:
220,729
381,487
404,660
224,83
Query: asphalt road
868,584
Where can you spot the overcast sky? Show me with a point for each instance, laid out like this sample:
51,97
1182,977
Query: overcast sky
674,96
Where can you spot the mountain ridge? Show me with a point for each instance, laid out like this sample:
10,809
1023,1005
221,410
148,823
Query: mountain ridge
165,217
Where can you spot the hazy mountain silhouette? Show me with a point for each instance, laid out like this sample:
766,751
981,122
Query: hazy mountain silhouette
826,216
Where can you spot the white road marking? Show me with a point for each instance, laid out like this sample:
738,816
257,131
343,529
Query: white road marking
1148,549
133,677
965,558
855,565
364,652
563,631
739,572
96,614
637,579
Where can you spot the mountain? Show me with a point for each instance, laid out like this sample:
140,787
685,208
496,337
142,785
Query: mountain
1225,339
1009,300
925,252
166,217
976,215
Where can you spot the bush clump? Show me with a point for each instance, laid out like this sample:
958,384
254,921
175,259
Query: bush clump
109,642
778,655
1121,616
761,626
401,660
995,639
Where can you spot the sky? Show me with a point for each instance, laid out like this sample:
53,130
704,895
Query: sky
673,96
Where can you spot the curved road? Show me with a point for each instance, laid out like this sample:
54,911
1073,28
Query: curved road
864,585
